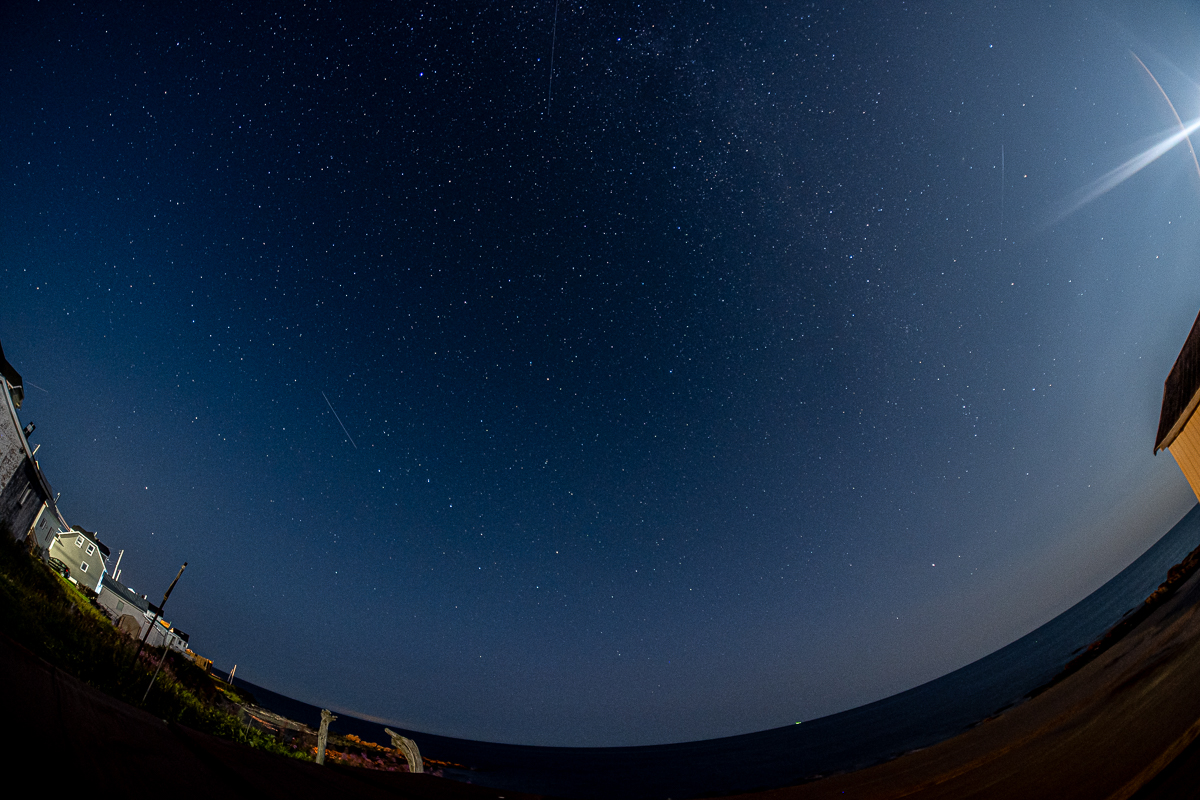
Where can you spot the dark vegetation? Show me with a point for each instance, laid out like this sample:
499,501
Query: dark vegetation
58,622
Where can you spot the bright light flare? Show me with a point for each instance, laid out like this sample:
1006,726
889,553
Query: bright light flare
1117,176
1122,173
1163,92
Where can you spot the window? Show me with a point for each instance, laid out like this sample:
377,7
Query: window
120,606
79,541
25,496
83,566
91,549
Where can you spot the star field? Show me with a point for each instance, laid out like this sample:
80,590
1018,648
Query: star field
734,374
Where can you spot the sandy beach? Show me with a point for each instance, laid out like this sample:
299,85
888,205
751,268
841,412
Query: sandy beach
1121,727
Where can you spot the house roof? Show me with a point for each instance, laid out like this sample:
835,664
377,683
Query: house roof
125,593
93,538
1181,391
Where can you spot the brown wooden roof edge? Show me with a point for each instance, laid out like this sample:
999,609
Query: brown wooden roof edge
1181,391
14,379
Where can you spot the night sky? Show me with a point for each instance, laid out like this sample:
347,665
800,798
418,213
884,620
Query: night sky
742,367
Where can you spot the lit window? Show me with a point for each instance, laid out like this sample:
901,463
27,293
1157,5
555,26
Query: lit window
91,549
83,566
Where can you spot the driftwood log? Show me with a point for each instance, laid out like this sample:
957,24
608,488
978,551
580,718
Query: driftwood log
408,748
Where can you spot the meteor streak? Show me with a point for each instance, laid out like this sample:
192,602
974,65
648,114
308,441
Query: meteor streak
553,41
339,419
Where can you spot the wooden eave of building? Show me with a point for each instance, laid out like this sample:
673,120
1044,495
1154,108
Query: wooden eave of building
16,388
1181,391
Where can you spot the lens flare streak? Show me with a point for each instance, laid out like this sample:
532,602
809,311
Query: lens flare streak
1116,177
1171,105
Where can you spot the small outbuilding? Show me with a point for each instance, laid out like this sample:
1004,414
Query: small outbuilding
121,601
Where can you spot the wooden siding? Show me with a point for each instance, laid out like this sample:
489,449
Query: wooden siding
64,548
1186,451
1181,391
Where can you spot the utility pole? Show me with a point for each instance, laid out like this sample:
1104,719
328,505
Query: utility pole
157,669
157,614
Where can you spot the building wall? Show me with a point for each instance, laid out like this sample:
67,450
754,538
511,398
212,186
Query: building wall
1186,452
12,443
21,499
117,591
45,527
74,553
162,636
122,600
21,491
118,606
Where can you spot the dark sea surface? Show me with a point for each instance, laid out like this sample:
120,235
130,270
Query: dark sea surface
849,740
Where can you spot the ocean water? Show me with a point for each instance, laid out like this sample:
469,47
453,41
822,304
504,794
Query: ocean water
851,739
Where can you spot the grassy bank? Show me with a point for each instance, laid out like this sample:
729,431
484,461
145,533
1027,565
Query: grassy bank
48,615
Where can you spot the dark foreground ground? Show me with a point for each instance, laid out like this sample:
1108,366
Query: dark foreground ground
71,738
1125,726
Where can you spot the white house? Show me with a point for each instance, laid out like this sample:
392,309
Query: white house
85,555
